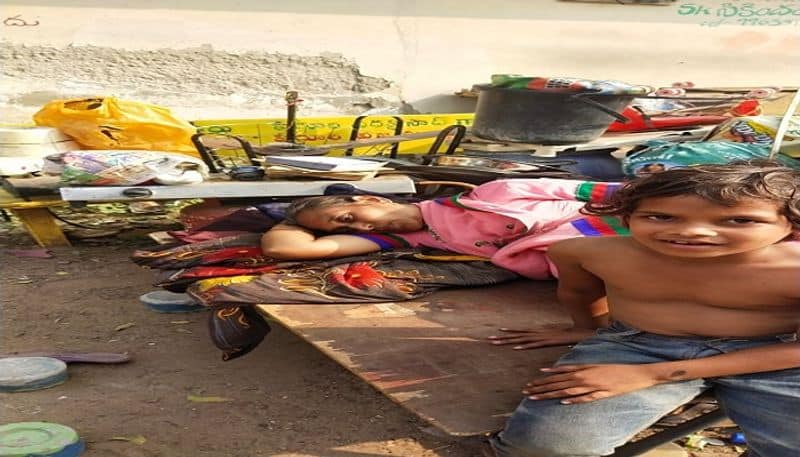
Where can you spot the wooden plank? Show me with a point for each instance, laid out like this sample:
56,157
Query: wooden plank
10,201
36,218
399,184
431,356
42,226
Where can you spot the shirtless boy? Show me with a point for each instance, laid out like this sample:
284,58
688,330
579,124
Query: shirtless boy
704,293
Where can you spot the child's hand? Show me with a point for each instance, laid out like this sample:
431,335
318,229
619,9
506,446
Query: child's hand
536,338
585,383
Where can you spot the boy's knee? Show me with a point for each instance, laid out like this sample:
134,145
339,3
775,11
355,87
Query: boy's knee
547,429
545,447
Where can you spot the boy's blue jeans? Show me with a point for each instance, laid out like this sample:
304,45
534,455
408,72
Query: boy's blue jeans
765,405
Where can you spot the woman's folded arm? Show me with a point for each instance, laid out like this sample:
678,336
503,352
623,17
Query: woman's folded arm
292,242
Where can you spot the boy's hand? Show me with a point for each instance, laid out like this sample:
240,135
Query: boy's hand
585,383
536,338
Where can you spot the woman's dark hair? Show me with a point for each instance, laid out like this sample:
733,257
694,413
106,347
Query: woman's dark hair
725,184
322,201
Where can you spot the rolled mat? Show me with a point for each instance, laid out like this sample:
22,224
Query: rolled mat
75,357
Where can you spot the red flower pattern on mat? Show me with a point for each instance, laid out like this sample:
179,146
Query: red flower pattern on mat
359,275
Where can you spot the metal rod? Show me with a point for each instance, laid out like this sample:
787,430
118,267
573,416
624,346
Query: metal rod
291,115
354,133
669,434
374,141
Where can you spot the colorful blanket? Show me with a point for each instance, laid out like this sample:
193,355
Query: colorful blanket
230,276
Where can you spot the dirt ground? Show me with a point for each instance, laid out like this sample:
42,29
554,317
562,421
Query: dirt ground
284,399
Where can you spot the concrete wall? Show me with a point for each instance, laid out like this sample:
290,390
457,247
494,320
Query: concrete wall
419,49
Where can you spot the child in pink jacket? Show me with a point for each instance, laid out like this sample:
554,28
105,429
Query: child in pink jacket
510,222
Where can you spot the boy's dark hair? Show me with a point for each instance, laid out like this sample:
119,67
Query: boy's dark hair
725,184
322,201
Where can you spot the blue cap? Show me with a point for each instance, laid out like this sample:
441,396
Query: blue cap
738,438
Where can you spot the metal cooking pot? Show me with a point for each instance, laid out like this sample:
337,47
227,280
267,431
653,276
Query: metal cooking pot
530,116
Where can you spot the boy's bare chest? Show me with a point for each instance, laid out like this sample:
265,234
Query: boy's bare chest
725,286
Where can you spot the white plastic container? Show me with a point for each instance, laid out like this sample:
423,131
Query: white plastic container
22,149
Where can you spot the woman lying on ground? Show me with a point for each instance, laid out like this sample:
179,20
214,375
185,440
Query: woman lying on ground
510,222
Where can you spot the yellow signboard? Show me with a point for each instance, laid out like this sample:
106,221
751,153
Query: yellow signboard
327,130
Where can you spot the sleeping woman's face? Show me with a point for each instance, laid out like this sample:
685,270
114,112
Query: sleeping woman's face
366,214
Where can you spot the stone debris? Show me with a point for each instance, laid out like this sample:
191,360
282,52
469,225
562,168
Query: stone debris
202,81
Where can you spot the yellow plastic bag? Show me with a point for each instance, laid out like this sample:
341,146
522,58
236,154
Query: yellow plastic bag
111,123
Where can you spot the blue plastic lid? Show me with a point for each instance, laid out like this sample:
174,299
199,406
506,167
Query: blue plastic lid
164,301
165,297
39,439
19,374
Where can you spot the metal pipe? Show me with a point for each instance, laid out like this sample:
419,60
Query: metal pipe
291,115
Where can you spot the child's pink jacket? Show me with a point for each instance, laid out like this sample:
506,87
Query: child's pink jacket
511,222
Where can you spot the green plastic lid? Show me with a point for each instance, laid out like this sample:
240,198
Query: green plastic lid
35,439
